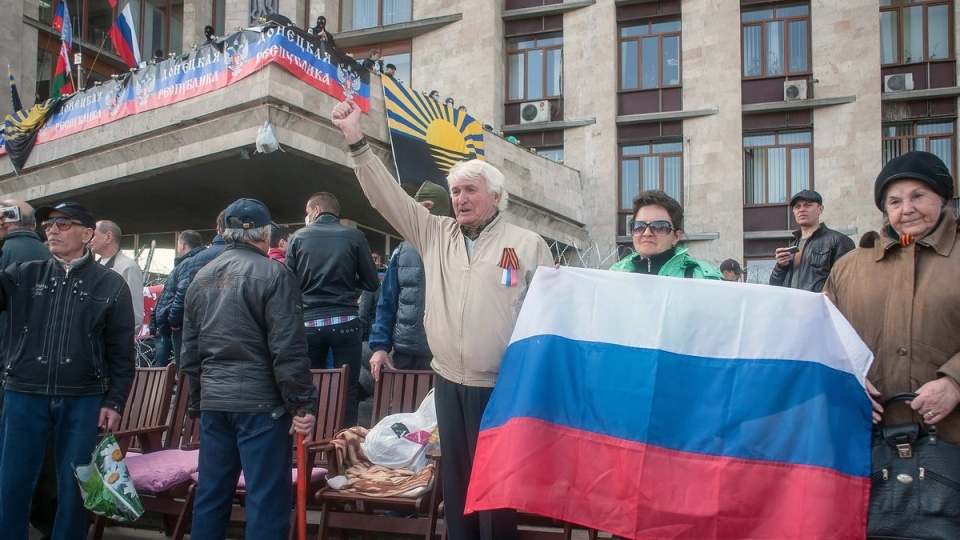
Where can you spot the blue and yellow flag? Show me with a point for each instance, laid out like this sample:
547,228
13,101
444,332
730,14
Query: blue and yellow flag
21,127
428,137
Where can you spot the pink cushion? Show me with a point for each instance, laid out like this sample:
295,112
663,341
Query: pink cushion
159,471
317,475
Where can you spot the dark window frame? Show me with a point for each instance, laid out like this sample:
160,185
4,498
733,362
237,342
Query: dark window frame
348,28
660,57
510,52
905,140
762,24
790,188
925,5
662,155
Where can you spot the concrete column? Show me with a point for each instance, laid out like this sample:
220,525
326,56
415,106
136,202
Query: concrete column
590,69
473,75
196,15
846,61
14,36
712,145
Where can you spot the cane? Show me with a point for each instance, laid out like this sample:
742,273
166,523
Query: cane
303,478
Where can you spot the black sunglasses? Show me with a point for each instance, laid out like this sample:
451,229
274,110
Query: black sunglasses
658,228
62,223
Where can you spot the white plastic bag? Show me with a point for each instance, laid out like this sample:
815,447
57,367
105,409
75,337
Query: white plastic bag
400,441
267,139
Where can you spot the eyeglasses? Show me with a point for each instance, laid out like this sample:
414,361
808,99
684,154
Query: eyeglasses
64,224
658,228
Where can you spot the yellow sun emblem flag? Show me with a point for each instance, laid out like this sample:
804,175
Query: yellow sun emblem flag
428,137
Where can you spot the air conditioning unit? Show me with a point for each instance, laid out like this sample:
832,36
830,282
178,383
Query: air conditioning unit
535,111
898,83
794,90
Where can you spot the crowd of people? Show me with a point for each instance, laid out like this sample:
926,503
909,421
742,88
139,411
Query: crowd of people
224,316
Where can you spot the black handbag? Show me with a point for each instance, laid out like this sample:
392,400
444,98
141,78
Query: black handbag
915,482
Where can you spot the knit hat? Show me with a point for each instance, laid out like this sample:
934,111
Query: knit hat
432,192
922,166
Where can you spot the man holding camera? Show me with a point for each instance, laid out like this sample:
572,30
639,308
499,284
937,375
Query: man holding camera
21,242
807,262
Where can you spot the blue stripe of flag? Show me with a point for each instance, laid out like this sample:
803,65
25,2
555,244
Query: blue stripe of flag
769,410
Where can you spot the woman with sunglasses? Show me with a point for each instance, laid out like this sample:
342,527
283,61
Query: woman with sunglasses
657,227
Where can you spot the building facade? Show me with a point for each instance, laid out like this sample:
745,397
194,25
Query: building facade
731,106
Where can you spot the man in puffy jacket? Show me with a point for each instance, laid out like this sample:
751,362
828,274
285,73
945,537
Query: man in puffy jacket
806,264
190,243
188,269
250,378
68,367
399,321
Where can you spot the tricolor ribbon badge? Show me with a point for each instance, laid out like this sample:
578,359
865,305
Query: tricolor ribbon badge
511,265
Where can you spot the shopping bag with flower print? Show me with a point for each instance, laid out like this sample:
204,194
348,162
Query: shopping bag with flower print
105,483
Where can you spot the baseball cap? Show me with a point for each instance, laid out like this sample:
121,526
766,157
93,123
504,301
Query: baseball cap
69,209
807,195
732,266
247,214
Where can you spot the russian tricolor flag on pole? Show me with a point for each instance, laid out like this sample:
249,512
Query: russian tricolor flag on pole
656,407
124,36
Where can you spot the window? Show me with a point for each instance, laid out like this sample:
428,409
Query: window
936,137
555,154
359,14
534,67
777,165
776,40
915,31
654,165
650,55
219,12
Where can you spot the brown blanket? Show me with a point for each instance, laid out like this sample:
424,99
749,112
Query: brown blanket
372,480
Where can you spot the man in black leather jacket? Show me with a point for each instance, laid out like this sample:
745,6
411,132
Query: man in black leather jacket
806,264
68,367
249,378
331,262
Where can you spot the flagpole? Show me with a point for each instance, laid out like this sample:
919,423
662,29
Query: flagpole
102,43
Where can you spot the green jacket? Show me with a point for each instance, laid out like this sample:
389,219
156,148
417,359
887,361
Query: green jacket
675,267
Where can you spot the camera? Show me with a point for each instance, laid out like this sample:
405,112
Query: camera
10,214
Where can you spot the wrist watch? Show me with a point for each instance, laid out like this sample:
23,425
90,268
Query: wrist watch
357,145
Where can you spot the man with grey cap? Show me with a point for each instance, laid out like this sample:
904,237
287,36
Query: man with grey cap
246,356
807,262
68,367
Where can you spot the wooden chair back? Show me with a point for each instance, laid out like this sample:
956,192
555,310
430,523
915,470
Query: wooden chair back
400,391
332,384
184,431
146,415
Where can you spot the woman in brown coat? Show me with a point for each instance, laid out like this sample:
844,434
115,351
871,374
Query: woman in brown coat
902,295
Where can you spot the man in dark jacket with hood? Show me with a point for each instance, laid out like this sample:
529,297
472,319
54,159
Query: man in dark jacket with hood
250,378
331,262
806,264
189,244
399,323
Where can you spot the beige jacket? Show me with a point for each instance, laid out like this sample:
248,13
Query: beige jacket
469,314
905,305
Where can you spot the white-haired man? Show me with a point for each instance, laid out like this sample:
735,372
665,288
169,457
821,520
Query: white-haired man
477,269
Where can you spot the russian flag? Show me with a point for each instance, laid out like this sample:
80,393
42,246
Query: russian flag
124,37
656,407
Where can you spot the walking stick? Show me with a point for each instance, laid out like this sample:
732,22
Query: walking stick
303,478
